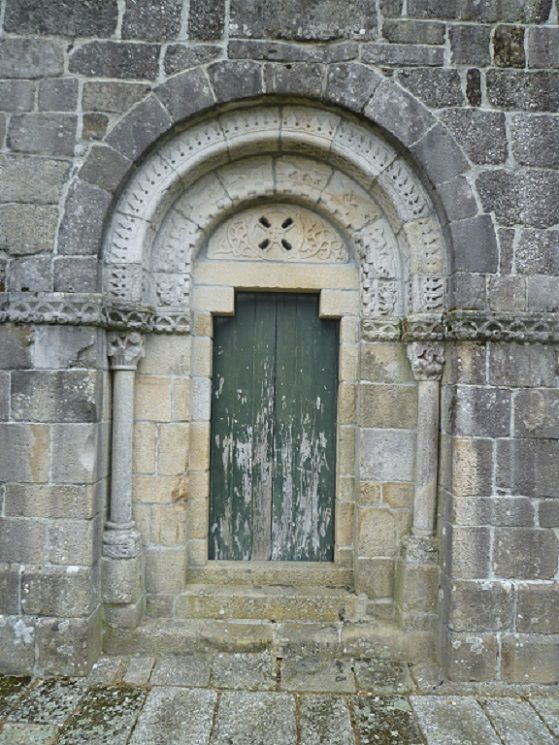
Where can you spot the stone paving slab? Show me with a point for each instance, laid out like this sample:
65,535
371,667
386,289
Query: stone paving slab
244,670
316,674
138,670
23,733
324,720
189,670
454,721
49,702
262,718
11,689
175,716
548,709
386,721
382,676
517,723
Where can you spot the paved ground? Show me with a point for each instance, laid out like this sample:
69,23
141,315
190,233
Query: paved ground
253,699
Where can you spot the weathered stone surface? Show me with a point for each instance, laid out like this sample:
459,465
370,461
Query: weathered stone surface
17,656
49,702
58,94
482,134
480,606
31,274
238,712
58,591
379,461
507,293
105,168
303,20
292,52
140,128
414,32
27,229
239,79
94,126
138,670
317,674
530,366
179,57
524,91
206,20
549,513
469,552
16,95
67,396
243,670
520,196
16,733
469,407
27,178
182,670
24,451
454,721
78,453
535,140
440,156
436,88
110,59
106,714
537,252
528,467
469,45
351,85
548,709
60,347
535,609
388,719
517,723
325,721
294,79
508,46
473,87
528,657
399,112
112,96
30,58
388,406
176,717
43,500
526,553
542,47
61,17
402,55
152,21
475,245
385,362
186,94
9,589
537,413
382,676
76,274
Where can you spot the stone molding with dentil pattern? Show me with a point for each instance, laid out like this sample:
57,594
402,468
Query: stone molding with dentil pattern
89,310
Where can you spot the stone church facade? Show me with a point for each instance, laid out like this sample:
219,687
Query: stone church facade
389,165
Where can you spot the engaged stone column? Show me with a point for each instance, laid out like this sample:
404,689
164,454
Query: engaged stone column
122,549
417,570
427,360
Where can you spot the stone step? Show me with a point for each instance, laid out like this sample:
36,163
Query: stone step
365,639
270,603
300,574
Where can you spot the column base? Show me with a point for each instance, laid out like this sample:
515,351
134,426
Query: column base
122,578
417,583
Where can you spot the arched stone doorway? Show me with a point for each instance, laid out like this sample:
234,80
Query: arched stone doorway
202,220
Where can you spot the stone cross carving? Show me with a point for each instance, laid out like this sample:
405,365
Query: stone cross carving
427,362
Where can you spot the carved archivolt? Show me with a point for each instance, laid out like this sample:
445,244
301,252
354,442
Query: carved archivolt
277,183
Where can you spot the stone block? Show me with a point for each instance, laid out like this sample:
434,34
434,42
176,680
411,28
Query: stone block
481,134
508,46
74,541
536,608
179,57
152,21
413,32
62,347
341,51
169,524
94,126
466,363
17,651
549,513
27,228
475,245
536,413
385,362
76,273
64,396
24,452
31,274
530,658
376,532
298,78
153,399
43,500
542,47
399,112
507,293
58,94
173,448
480,606
528,467
393,406
140,128
28,178
61,17
51,134
165,570
417,587
17,95
9,589
176,714
527,366
15,347
75,450
236,79
112,96
436,88
469,552
537,252
375,577
479,412
471,657
351,85
103,168
457,199
525,553
398,496
159,489
31,58
122,580
70,592
535,140
111,59
206,20
145,447
516,721
68,646
512,512
402,55
542,294
302,20
524,91
186,94
4,396
440,156
387,455
469,45
471,466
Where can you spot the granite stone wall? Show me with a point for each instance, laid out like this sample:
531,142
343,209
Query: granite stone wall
469,92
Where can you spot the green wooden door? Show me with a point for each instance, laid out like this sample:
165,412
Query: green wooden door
273,441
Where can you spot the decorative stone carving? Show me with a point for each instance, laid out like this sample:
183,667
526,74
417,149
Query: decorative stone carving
125,350
172,290
278,232
426,359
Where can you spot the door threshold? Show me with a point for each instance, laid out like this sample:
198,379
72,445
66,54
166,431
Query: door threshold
269,573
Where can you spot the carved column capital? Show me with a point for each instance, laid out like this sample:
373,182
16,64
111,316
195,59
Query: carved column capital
427,360
125,350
